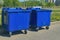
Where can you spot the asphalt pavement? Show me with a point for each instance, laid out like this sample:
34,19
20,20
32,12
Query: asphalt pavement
52,34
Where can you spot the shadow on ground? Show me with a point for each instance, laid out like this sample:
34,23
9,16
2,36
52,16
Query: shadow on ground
6,34
35,30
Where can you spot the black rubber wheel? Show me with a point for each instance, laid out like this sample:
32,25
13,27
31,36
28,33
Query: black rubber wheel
47,27
36,29
10,33
25,31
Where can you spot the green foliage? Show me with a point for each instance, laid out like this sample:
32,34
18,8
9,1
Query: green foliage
1,3
55,16
0,20
0,17
8,3
11,3
49,4
16,3
29,3
32,3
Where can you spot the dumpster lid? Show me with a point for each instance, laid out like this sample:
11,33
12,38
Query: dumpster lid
14,11
11,9
42,10
17,11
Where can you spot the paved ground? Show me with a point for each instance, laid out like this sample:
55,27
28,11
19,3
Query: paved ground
52,34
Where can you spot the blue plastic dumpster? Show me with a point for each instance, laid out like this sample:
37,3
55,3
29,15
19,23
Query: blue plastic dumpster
16,19
40,18
43,18
3,15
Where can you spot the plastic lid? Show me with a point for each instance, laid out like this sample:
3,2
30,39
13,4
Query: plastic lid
28,8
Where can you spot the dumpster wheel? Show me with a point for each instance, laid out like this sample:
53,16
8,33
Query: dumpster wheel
36,29
10,33
47,27
25,31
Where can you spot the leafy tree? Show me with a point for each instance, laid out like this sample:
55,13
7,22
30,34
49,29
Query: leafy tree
1,3
31,3
11,3
16,3
49,4
8,3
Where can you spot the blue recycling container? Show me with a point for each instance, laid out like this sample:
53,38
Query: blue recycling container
3,13
40,18
43,18
16,19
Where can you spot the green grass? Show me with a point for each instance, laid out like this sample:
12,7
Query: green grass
0,19
56,10
0,11
55,16
0,22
